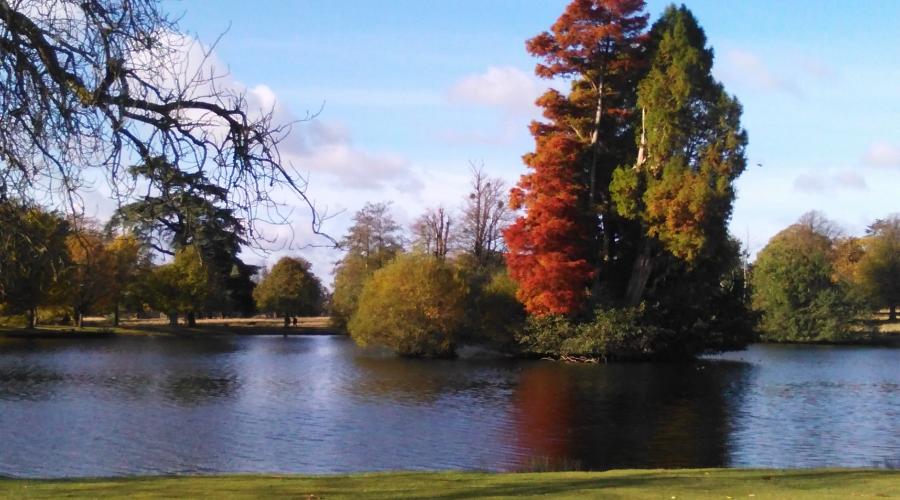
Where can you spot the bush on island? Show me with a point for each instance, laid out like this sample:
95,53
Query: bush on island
415,306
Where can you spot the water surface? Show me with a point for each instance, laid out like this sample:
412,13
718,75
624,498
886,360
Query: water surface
319,404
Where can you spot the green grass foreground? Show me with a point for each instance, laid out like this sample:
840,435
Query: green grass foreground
624,484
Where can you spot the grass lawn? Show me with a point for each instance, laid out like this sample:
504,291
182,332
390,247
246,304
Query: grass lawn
619,484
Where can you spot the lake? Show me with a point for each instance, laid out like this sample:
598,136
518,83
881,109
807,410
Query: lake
319,404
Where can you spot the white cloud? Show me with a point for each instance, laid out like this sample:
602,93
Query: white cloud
809,183
317,147
326,148
745,67
506,87
882,154
823,182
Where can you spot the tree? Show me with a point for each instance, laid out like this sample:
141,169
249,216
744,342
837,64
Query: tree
568,229
485,216
879,266
33,257
98,82
130,266
374,235
415,305
549,256
630,186
186,209
371,242
494,314
181,286
795,290
691,150
92,276
289,289
432,232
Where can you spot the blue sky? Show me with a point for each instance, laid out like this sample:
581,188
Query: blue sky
414,90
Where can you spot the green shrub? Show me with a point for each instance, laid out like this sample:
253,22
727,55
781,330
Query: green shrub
618,334
612,335
494,315
415,306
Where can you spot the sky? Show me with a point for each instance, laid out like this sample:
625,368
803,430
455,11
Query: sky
406,94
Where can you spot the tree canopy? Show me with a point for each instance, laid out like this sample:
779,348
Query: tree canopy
879,266
796,289
181,286
371,242
415,306
289,289
33,256
630,185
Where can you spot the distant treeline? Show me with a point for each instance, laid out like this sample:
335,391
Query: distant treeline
812,282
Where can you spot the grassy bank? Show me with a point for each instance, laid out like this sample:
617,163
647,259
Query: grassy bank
622,484
239,326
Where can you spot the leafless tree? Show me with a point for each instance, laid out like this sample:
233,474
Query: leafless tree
104,84
816,222
485,215
432,232
374,236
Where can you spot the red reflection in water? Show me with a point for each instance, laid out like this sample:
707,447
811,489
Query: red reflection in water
545,406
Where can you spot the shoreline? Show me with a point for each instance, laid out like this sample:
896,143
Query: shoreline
205,328
623,483
885,339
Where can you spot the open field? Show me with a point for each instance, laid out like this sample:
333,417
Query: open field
884,325
619,484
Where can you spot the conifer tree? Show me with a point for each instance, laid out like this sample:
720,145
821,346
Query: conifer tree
568,228
691,150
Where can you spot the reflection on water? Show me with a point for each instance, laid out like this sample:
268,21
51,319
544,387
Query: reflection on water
629,415
319,404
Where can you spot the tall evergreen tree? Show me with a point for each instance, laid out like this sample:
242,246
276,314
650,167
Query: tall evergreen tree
691,150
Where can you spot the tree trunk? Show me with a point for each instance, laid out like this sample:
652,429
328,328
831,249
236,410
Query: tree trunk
191,320
640,275
30,316
592,194
892,316
595,142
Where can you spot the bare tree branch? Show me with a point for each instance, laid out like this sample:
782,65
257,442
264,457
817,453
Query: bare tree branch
102,84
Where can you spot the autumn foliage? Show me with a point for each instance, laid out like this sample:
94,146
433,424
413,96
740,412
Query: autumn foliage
630,188
548,248
552,248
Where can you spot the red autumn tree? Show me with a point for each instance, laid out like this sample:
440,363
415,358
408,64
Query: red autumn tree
548,250
566,235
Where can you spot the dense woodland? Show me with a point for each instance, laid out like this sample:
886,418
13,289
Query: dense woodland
613,246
